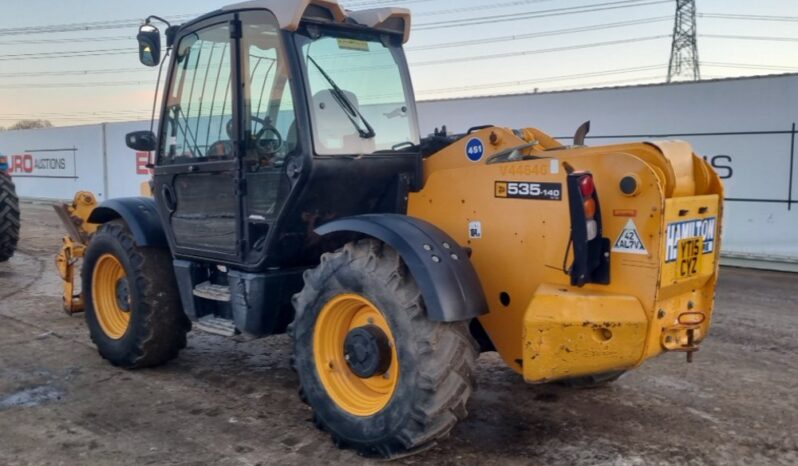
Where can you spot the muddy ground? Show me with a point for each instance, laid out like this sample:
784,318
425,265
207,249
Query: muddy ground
229,402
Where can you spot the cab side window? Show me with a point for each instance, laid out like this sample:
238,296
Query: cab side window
199,110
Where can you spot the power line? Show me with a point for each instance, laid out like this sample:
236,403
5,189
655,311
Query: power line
763,38
72,85
538,51
38,74
134,22
453,11
61,40
493,56
555,32
66,54
537,14
749,66
76,113
748,17
81,27
361,4
79,53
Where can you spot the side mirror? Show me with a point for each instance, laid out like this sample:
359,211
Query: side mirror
149,38
142,141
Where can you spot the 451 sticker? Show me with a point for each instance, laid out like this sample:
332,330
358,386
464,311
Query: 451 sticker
528,190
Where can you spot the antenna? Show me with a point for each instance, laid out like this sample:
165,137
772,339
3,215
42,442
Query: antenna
684,63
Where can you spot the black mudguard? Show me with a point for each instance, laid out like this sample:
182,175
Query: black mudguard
449,284
140,215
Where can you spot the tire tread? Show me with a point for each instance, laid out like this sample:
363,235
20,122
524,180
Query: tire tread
163,331
9,218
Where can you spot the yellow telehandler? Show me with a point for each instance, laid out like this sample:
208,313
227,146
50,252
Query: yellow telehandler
292,192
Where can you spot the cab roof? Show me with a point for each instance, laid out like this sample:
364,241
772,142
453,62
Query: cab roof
290,13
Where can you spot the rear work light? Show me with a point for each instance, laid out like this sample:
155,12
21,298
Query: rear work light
591,262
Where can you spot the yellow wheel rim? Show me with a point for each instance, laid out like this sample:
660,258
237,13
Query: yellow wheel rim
355,395
110,296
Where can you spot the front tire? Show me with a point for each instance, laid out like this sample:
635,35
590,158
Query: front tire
411,387
9,218
133,307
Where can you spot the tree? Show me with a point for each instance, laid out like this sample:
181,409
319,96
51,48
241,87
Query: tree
30,124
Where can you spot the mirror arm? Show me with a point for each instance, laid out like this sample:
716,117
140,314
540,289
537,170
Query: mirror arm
158,18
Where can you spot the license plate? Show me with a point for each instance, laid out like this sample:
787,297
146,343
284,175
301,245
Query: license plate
688,259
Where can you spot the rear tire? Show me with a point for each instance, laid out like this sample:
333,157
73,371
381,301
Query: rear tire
9,218
592,381
133,306
429,376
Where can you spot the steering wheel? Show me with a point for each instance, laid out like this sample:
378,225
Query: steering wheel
267,142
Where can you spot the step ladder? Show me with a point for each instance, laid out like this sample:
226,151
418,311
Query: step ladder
213,324
208,290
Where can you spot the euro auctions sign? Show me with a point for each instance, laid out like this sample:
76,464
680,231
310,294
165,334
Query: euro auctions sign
57,163
142,160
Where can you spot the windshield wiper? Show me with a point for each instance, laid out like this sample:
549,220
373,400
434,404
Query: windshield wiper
349,109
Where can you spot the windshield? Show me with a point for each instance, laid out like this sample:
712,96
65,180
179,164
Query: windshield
360,97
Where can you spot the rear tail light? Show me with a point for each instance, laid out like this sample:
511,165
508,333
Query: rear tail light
590,208
591,251
586,186
592,229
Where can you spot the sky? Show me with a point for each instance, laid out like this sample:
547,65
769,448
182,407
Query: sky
457,48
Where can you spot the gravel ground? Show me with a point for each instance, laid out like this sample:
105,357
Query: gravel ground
234,402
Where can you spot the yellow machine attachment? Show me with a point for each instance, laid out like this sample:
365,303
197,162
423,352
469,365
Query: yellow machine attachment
75,219
506,195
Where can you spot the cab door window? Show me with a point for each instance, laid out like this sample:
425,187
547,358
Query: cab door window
269,123
196,170
199,110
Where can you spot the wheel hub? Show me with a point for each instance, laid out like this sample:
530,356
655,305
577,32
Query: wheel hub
123,294
367,351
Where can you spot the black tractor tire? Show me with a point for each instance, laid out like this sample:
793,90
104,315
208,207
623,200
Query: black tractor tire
157,327
435,359
9,218
592,381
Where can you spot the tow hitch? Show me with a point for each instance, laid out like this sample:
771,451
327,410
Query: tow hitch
685,336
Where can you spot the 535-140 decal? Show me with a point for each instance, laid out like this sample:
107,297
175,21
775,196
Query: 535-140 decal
528,190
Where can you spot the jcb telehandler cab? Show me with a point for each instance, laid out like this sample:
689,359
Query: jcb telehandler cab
292,192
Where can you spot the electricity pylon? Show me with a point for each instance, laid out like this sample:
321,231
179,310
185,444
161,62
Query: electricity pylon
684,63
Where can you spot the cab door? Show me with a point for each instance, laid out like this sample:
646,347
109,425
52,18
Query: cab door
197,169
270,142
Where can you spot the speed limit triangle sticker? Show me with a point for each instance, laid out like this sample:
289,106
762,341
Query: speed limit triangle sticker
629,241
